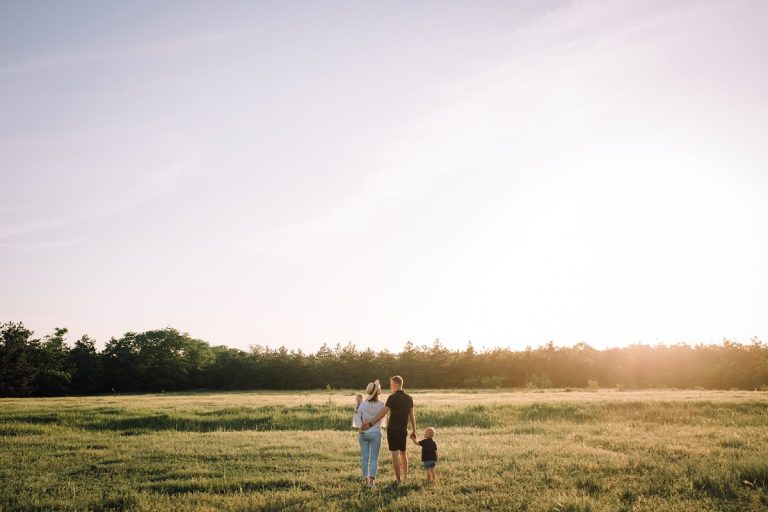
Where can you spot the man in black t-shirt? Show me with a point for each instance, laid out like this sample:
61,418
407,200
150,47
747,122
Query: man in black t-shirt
400,406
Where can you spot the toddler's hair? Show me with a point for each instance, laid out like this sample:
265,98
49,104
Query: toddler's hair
359,395
429,433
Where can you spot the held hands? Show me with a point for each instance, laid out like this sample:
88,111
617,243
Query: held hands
413,435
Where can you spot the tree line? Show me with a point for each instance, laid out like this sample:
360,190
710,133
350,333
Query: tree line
170,360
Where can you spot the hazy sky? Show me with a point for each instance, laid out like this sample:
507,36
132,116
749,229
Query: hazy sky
298,173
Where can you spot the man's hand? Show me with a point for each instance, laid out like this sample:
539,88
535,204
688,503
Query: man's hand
365,426
413,435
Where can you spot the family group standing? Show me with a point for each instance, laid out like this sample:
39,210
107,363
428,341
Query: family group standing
371,416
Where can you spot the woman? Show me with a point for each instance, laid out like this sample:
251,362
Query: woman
370,439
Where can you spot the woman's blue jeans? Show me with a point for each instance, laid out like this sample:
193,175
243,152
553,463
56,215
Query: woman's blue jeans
370,444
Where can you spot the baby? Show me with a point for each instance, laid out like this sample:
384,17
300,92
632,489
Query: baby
428,453
356,422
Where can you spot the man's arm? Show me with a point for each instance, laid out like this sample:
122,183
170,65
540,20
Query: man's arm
413,423
375,419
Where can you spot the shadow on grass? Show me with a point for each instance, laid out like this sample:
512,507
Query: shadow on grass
269,418
21,430
171,487
526,418
557,412
118,502
34,418
376,498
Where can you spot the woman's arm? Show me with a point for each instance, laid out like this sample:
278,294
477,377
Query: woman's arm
376,418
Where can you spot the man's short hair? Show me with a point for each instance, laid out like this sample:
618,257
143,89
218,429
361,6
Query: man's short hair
397,380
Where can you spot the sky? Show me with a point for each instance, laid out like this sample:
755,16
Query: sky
298,173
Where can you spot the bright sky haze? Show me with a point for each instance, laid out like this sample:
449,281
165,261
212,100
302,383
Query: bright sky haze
299,173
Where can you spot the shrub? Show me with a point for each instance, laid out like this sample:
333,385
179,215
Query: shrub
484,382
492,382
539,382
472,382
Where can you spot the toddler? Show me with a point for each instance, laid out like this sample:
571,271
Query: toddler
428,453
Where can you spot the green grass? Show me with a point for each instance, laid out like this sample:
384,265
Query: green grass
551,451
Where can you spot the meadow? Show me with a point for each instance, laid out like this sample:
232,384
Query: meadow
554,450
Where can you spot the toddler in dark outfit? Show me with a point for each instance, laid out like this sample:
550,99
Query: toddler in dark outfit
428,453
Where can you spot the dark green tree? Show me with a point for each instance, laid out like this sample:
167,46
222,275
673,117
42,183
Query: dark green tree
88,373
18,360
231,368
54,365
157,360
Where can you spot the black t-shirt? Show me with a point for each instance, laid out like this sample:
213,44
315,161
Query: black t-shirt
428,449
399,404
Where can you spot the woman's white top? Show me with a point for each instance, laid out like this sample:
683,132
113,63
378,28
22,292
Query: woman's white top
367,411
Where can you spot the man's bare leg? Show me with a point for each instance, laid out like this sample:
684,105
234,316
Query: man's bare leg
403,465
396,464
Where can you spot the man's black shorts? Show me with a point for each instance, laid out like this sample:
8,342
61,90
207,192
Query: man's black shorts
396,439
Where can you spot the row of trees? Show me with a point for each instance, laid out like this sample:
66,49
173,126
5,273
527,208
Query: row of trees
169,360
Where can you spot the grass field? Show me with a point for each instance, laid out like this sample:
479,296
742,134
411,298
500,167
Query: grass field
505,450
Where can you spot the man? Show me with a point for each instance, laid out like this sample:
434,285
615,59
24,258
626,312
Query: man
400,406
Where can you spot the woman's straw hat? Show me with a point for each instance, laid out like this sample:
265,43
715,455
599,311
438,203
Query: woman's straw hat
373,388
